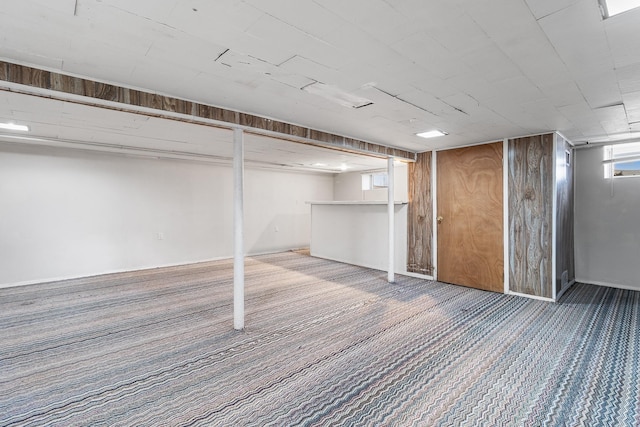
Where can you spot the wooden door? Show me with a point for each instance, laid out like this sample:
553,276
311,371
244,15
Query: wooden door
470,217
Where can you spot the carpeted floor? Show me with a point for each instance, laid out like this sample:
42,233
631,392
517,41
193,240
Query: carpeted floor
325,344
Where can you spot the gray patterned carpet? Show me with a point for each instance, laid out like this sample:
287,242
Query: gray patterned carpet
325,344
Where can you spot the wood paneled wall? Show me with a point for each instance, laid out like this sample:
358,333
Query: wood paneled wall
132,100
565,270
531,184
420,217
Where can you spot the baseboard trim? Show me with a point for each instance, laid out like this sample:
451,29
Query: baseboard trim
103,273
565,289
129,270
608,285
518,294
417,275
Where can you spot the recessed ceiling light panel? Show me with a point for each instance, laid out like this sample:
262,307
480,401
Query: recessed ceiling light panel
610,8
431,134
13,126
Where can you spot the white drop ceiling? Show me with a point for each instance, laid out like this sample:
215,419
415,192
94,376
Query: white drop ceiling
480,70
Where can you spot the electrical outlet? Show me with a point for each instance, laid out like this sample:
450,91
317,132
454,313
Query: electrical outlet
160,235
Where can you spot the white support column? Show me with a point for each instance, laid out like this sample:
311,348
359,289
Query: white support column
391,208
238,229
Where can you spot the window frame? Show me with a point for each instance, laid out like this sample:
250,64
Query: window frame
627,153
368,180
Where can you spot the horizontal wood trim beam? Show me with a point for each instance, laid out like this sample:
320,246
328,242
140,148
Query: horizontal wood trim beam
130,99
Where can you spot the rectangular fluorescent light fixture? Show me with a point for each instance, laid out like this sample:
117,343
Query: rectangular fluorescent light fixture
431,134
337,95
13,126
610,8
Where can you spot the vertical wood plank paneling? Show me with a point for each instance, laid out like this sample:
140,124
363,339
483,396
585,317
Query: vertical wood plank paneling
420,216
565,271
531,215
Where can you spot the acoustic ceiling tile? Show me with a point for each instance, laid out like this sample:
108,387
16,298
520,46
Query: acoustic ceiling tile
377,18
312,70
629,78
632,105
43,7
316,21
260,48
269,28
599,88
562,93
205,15
514,91
577,34
535,57
431,55
503,20
152,10
135,33
542,8
187,51
461,37
492,64
622,35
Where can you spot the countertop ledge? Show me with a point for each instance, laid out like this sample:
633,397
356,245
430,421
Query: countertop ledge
354,202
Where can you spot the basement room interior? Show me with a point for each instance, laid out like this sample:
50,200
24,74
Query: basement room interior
314,212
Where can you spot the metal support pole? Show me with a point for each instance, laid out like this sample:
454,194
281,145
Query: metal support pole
391,207
238,229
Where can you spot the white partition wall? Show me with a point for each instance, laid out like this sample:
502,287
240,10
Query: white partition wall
68,213
357,233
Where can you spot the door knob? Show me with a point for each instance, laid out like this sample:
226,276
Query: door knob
439,219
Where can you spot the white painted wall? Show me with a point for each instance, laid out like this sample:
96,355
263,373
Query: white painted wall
359,234
607,224
348,186
69,213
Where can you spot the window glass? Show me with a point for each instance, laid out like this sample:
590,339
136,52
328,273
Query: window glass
380,180
375,180
622,160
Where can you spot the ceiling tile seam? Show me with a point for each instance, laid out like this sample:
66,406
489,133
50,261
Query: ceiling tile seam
614,69
448,104
423,68
276,66
514,64
146,18
363,30
569,72
313,36
550,13
404,101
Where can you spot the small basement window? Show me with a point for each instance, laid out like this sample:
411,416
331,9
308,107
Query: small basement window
622,160
371,181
